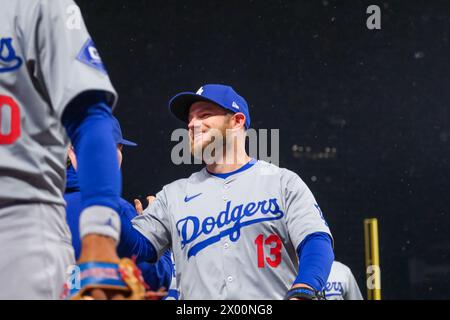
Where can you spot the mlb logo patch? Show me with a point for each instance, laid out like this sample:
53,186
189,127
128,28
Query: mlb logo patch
90,56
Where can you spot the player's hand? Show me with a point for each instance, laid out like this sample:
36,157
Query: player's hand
138,204
100,249
102,294
156,295
105,276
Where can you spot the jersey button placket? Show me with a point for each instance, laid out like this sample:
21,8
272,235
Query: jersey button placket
225,191
227,246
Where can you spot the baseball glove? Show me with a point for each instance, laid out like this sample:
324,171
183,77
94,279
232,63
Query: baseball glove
124,279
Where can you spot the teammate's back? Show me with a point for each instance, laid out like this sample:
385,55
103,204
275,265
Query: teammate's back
53,86
44,64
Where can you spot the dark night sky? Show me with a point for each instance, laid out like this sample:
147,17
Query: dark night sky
313,70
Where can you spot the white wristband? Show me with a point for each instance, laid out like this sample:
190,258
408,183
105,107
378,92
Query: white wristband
100,220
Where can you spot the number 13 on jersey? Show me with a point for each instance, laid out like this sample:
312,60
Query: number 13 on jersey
274,244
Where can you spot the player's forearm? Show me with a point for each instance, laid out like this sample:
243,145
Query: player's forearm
90,129
315,259
98,248
89,126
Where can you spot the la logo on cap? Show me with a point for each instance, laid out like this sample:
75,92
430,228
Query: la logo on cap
200,91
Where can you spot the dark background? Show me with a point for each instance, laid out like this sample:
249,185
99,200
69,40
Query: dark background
313,70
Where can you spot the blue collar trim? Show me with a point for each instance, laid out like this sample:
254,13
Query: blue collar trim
250,164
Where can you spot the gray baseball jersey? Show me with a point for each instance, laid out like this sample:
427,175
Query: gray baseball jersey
35,251
233,238
341,284
46,59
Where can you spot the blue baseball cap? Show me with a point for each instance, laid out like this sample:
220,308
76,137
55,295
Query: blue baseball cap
117,133
223,96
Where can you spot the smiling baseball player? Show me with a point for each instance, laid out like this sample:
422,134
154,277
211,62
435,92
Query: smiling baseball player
239,229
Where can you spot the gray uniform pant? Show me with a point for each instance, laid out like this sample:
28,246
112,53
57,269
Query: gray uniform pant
35,251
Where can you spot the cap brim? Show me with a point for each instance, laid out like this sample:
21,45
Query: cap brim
127,143
182,102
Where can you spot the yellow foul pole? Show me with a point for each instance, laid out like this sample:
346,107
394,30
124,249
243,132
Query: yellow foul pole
373,273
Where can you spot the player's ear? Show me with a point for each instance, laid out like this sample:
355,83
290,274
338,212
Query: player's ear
239,120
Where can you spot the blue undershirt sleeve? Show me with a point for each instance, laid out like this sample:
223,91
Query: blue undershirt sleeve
88,122
316,256
132,242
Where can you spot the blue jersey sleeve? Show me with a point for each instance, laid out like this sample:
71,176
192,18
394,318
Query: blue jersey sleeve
89,124
315,259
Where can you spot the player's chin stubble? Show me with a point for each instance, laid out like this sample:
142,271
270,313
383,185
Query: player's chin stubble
199,144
